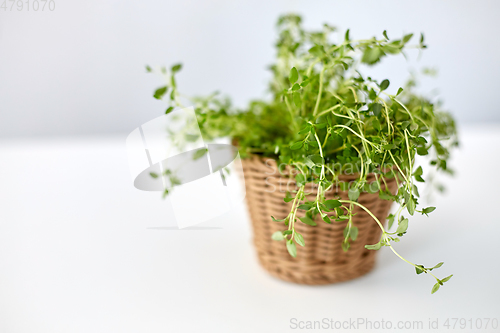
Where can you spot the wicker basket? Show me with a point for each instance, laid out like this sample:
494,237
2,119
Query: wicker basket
322,260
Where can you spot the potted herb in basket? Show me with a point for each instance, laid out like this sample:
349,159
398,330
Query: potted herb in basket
328,154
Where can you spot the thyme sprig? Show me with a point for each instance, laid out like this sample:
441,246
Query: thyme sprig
324,119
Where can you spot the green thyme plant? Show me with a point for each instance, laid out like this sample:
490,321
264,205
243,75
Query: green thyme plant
323,110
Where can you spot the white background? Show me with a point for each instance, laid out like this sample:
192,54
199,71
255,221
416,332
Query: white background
80,68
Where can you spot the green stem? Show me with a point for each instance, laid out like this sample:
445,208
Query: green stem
321,74
326,138
397,165
293,212
384,232
322,176
409,262
292,115
359,136
330,109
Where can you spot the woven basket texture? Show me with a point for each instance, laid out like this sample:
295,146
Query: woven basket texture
322,260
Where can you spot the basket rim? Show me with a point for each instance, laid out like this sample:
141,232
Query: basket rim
256,158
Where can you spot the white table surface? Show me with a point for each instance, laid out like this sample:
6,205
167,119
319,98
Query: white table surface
81,250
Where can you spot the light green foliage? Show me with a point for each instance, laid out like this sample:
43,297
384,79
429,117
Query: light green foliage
278,236
323,111
199,153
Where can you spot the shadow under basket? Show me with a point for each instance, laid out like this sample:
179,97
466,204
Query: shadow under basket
322,260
